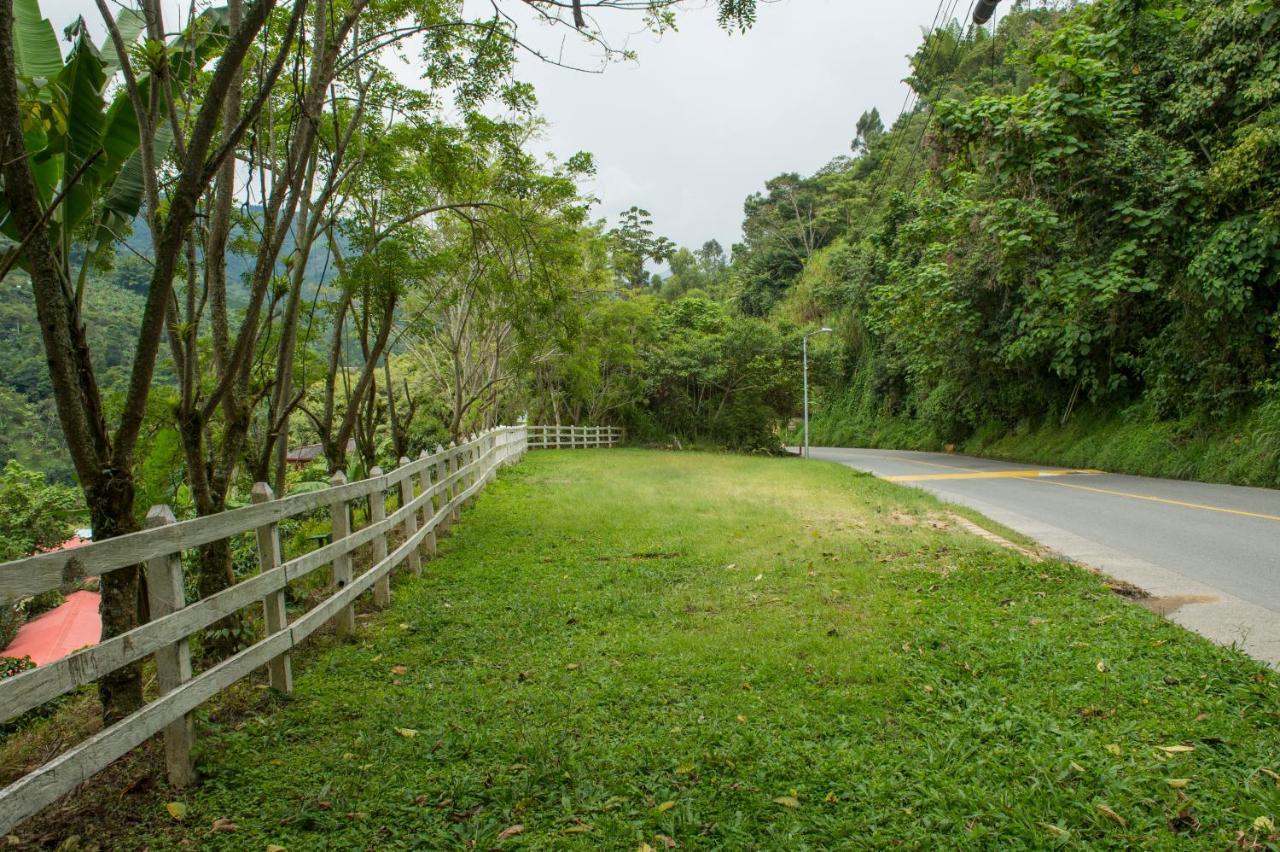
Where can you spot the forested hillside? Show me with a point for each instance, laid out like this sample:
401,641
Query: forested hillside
1067,247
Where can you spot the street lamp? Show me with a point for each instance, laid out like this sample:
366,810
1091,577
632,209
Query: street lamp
804,345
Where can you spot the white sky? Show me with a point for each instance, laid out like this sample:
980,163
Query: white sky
704,118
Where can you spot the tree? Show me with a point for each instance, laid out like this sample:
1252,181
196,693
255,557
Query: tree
33,515
634,245
869,129
104,458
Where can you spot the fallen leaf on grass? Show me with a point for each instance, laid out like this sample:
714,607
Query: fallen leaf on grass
572,666
787,801
1271,773
410,733
1102,666
759,577
1055,830
1113,748
1178,783
225,825
1075,767
669,842
684,769
510,831
177,810
1112,815
271,847
741,718
1264,823
1176,749
666,806
577,829
399,670
644,847
1183,821
831,798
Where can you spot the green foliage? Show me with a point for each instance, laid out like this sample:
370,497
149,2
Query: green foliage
1080,213
33,514
634,244
10,666
720,378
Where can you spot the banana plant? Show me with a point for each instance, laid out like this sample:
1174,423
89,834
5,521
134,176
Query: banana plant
82,137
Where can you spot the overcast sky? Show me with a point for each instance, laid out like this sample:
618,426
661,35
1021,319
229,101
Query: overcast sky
702,118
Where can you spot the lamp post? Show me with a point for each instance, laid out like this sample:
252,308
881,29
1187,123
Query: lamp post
804,346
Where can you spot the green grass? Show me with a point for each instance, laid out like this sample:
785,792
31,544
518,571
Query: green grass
621,646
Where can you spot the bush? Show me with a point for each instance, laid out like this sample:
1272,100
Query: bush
11,618
10,666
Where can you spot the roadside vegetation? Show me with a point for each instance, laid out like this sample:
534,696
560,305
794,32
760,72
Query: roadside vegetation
620,648
1065,249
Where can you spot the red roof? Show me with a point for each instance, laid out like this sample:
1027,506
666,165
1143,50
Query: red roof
70,544
55,634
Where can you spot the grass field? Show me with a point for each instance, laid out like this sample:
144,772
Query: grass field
621,649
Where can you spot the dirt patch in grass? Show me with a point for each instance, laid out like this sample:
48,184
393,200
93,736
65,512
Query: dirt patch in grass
1172,603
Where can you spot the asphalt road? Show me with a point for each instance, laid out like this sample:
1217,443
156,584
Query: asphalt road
1211,551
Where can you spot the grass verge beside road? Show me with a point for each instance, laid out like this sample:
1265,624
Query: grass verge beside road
620,648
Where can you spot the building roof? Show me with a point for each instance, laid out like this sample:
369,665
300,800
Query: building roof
55,634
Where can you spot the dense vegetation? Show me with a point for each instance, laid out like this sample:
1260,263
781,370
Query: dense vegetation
1070,239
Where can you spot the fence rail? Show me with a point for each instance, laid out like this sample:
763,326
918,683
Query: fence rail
573,437
429,493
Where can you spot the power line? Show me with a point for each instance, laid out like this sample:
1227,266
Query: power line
907,106
915,152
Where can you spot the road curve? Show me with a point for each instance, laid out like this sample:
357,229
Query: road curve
1211,551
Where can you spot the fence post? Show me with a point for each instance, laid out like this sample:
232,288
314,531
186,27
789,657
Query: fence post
428,508
442,497
410,525
455,464
173,662
378,514
274,615
473,458
340,523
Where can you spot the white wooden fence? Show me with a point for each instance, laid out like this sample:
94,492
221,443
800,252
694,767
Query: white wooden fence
573,437
429,493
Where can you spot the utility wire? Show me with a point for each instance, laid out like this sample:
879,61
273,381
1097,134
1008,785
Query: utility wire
907,105
915,152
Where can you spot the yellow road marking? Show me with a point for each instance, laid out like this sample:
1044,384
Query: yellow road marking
988,474
1169,502
925,463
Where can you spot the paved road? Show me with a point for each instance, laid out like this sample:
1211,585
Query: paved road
1212,550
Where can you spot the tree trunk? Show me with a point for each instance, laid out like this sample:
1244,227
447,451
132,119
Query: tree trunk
110,502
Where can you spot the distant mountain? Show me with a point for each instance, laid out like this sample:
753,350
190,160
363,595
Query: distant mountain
321,267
